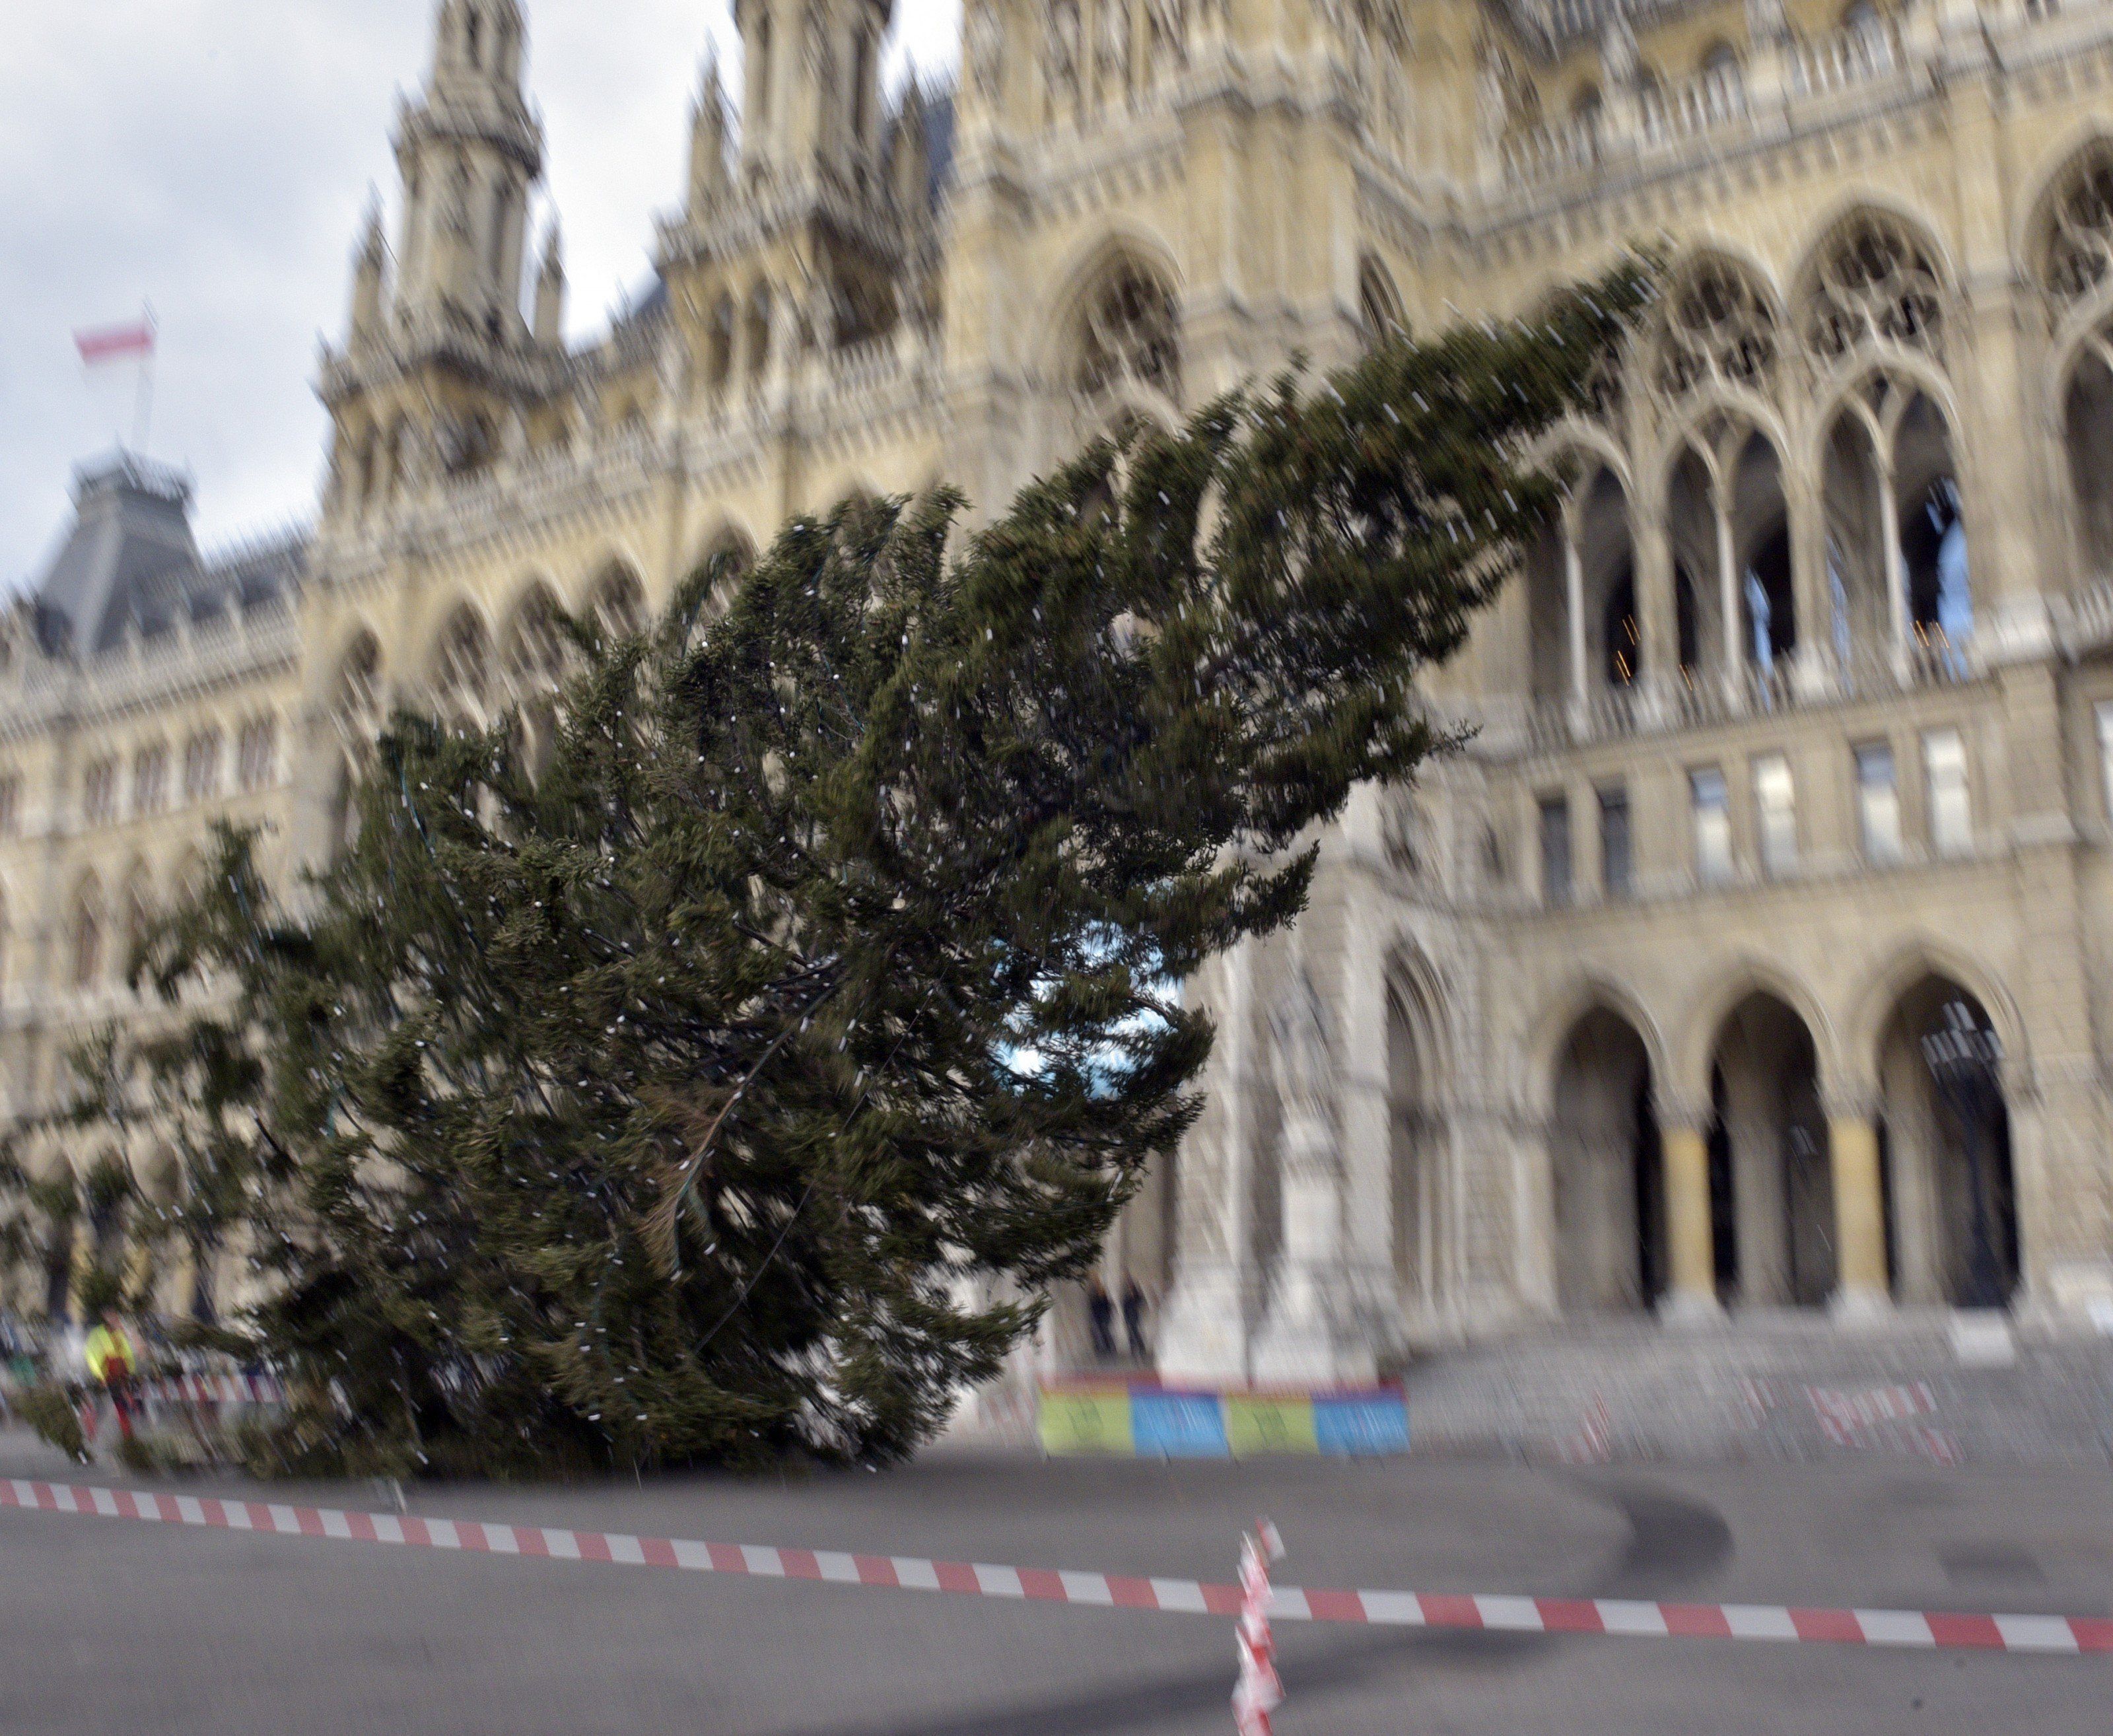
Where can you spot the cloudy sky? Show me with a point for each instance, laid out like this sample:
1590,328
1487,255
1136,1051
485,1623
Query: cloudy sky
212,159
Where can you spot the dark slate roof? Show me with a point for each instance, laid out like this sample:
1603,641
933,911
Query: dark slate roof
130,561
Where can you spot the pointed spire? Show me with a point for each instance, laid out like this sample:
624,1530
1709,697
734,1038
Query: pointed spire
708,136
370,263
374,243
551,291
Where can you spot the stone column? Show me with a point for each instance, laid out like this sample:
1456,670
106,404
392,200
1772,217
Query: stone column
1691,1300
1727,592
1573,597
1657,611
1859,1214
1896,561
1813,596
1327,1319
1203,1336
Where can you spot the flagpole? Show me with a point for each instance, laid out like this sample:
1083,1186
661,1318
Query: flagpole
143,408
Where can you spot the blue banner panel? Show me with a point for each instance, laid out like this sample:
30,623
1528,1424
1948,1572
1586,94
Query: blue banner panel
1362,1424
1178,1425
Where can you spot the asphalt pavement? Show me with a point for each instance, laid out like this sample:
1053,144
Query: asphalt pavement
132,1627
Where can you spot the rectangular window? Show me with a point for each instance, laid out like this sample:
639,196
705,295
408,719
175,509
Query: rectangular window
1775,813
1617,863
1555,882
1950,803
1712,800
98,793
11,806
150,780
257,754
202,766
1878,802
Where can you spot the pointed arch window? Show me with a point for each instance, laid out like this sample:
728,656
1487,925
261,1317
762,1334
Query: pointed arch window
1128,335
2076,250
1718,326
1873,282
760,79
1379,304
462,670
86,961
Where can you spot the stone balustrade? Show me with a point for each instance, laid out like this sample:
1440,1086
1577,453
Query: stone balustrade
1786,86
1704,700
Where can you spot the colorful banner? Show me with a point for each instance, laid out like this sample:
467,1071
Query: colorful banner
1154,1423
1087,1420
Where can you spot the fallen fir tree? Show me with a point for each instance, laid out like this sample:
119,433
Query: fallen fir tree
678,1103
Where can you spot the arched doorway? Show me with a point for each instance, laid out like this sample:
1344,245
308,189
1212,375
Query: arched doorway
1417,1141
1771,1182
1610,1233
1946,1129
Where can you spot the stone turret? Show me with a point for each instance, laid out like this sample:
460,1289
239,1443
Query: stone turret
813,90
708,142
469,150
550,294
369,269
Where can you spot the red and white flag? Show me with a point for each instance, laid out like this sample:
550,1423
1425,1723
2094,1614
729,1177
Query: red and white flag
129,343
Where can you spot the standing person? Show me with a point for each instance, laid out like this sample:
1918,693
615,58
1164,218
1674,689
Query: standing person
1102,1307
112,1363
1133,1313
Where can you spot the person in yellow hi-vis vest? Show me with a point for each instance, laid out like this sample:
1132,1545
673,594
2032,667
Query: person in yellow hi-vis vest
112,1363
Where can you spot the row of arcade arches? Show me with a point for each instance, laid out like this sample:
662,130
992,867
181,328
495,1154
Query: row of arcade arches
1771,1125
1943,1130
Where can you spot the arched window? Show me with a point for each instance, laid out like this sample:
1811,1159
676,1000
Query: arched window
1718,326
536,651
718,340
396,459
138,907
861,81
758,331
202,766
535,658
760,71
502,198
355,715
2076,242
729,559
1379,304
1719,61
1860,18
86,962
150,780
257,754
1872,281
355,702
461,666
618,604
1128,335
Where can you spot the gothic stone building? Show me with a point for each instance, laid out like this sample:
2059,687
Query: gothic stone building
1755,954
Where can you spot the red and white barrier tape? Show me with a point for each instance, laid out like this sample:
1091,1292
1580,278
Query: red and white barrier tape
213,1389
1613,1616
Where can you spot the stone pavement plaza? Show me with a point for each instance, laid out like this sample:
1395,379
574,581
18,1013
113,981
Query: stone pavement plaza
110,1626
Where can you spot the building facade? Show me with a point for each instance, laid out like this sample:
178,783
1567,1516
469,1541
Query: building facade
1752,953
